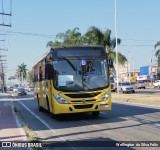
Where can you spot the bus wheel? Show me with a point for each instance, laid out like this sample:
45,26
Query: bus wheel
95,114
39,107
48,109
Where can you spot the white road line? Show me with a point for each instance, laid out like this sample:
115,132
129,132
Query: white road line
103,113
157,124
41,120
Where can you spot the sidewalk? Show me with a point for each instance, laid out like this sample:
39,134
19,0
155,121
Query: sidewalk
10,128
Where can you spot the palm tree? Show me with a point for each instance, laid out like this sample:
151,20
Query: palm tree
95,36
70,37
30,77
21,72
51,44
157,54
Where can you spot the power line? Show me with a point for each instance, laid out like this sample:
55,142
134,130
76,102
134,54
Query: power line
139,40
31,34
137,45
2,49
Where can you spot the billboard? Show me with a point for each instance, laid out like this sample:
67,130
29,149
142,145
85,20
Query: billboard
144,70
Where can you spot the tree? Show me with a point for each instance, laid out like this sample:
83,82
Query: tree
51,44
21,72
158,75
157,54
95,36
70,37
29,77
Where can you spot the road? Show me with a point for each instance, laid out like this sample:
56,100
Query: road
150,91
124,122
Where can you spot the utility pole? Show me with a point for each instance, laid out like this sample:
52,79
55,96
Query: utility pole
117,69
2,69
3,14
129,67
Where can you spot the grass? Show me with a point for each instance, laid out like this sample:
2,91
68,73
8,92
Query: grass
32,137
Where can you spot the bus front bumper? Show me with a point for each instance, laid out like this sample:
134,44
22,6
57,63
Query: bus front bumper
77,108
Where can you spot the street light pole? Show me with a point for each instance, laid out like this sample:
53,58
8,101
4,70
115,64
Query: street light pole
117,71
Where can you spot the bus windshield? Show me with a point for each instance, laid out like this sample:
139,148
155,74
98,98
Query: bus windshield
80,74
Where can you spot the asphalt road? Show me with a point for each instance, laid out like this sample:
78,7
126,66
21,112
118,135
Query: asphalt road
149,91
124,122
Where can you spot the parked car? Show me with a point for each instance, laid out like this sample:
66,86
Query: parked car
15,89
113,87
126,87
140,85
10,88
29,88
1,89
157,83
21,91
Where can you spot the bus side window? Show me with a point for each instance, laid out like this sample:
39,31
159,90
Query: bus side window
40,74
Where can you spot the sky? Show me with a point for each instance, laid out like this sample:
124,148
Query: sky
138,26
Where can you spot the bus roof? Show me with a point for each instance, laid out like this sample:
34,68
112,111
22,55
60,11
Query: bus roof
43,56
63,47
76,46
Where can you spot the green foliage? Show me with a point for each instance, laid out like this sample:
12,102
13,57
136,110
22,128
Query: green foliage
70,37
157,54
93,36
29,77
21,72
158,75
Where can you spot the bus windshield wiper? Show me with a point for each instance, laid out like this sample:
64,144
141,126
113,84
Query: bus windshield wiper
69,62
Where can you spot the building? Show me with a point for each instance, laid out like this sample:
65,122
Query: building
145,73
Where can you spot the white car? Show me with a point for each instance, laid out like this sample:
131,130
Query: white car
29,88
126,87
157,83
15,89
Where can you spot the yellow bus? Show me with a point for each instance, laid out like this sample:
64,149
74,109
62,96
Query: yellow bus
73,79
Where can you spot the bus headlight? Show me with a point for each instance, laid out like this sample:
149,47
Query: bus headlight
105,96
60,99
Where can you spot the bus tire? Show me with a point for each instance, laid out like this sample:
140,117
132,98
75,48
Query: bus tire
48,109
95,114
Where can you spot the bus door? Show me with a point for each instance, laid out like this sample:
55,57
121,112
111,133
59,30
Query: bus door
49,94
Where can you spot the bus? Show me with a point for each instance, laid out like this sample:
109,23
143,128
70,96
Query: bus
73,79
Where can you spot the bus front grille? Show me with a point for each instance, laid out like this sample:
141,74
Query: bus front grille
81,101
83,106
83,95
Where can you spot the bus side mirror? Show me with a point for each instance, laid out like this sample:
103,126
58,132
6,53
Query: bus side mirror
49,71
110,62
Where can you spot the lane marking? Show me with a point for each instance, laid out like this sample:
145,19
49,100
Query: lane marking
44,122
103,113
157,124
